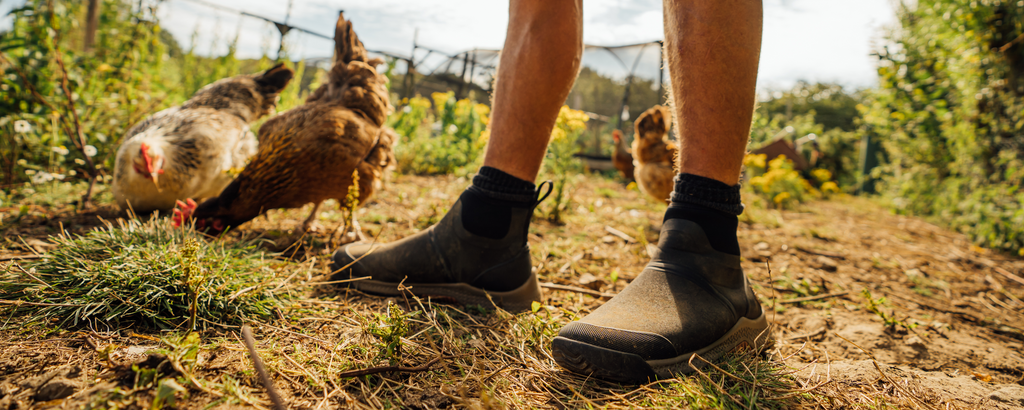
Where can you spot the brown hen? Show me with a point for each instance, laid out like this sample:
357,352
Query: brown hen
308,154
622,159
654,155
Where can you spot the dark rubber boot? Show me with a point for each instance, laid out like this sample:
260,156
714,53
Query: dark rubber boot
690,299
446,261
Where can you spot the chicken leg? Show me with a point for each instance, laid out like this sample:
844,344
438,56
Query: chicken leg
312,217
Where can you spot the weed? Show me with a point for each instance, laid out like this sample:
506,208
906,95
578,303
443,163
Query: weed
390,328
145,273
351,201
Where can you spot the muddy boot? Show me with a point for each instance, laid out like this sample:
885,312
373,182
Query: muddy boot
691,299
448,262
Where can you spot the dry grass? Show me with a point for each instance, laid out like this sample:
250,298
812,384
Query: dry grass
422,354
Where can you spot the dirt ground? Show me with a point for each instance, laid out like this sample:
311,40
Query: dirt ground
869,307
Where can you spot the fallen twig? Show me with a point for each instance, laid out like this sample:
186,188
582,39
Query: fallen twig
22,302
819,253
568,288
385,369
1009,275
268,384
620,234
21,258
815,297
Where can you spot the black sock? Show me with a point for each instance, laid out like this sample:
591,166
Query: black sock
487,204
711,204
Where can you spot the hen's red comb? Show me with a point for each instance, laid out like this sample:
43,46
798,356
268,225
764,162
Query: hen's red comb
183,212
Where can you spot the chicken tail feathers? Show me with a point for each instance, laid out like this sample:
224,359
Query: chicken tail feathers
347,47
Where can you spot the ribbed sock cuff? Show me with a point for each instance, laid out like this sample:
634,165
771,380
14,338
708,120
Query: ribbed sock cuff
707,192
497,184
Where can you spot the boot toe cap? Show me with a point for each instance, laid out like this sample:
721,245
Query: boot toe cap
345,262
648,346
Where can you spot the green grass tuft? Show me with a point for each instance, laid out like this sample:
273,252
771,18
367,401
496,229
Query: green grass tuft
141,273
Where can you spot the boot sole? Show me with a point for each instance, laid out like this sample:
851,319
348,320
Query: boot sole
585,358
518,299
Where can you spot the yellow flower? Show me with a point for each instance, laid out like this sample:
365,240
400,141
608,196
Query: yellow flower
822,175
440,99
557,134
830,188
755,161
780,162
782,196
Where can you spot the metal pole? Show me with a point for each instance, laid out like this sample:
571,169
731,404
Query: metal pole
283,31
462,85
661,68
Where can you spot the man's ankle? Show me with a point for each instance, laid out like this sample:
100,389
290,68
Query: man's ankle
487,204
711,204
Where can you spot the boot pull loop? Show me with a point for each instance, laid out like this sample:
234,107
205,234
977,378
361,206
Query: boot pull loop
541,198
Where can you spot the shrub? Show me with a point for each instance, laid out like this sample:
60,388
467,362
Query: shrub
559,163
777,182
448,139
951,108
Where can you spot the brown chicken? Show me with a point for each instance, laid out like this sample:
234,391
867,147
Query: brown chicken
308,154
622,159
655,155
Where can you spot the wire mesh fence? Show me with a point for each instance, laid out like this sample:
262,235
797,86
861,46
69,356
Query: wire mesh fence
616,83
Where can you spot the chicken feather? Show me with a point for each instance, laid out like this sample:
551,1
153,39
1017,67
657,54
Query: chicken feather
307,154
654,155
185,151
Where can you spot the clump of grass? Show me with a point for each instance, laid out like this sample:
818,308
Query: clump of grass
141,273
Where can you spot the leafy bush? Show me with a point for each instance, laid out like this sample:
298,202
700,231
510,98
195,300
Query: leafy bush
134,70
448,139
559,163
780,186
951,108
63,109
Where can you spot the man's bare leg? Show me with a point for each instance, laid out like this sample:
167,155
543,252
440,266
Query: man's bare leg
539,63
479,248
713,49
692,298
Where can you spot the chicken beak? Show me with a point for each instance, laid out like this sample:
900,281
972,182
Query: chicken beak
156,181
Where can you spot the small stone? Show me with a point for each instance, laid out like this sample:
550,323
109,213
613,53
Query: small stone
57,388
1010,393
826,264
590,281
608,239
762,246
914,341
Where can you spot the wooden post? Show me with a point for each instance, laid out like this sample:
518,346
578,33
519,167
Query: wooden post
92,21
462,85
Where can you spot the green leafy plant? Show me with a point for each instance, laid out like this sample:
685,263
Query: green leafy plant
951,109
559,163
777,182
390,328
448,139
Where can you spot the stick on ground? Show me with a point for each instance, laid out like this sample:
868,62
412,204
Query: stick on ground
258,364
385,369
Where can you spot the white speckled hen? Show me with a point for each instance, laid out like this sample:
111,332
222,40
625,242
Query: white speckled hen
186,152
308,154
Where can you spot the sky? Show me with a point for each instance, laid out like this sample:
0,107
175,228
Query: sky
812,40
